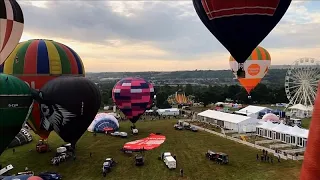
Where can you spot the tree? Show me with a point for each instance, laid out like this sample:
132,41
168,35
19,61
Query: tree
188,90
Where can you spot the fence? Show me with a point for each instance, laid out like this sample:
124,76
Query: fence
282,156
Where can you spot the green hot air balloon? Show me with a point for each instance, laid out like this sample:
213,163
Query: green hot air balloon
15,107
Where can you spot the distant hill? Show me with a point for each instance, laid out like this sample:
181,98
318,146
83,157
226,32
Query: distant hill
275,76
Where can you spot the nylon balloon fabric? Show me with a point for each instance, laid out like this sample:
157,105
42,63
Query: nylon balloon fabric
240,25
133,96
311,162
23,137
37,61
11,27
68,106
15,107
102,121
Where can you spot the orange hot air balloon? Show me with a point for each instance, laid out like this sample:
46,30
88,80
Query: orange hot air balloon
311,162
256,67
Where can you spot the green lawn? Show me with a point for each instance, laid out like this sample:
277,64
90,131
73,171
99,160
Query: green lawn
188,146
305,123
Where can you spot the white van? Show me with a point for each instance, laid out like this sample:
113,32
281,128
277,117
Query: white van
170,162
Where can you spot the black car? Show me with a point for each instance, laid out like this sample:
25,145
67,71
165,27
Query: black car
50,176
139,160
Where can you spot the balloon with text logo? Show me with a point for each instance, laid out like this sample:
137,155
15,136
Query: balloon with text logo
68,106
38,61
11,27
240,25
133,96
15,107
256,67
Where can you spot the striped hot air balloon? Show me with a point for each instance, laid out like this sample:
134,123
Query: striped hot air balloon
39,61
11,27
256,67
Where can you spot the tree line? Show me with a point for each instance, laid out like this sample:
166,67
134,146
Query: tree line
262,94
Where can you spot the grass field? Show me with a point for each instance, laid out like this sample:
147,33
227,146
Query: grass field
189,147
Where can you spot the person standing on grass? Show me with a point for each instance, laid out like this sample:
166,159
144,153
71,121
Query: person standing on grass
278,158
263,151
257,157
90,154
181,172
268,159
271,159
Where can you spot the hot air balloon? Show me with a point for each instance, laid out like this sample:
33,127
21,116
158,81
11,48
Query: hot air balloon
102,122
68,106
11,27
256,67
240,25
132,96
15,107
311,161
37,62
23,137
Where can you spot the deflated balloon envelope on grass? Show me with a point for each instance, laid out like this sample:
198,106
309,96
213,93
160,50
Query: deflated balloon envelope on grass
240,25
15,107
68,106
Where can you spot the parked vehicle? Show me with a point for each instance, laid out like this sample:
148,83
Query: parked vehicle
50,176
139,160
218,157
107,165
169,161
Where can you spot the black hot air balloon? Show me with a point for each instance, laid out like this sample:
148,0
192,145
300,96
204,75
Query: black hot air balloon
23,137
68,106
15,107
240,25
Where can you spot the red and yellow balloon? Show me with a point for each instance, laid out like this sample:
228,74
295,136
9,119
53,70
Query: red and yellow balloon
256,67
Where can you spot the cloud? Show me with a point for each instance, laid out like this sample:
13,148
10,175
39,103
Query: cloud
124,35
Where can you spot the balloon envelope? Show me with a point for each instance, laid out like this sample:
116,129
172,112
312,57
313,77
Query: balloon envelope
23,137
103,121
68,106
38,61
240,25
15,107
132,96
11,27
256,67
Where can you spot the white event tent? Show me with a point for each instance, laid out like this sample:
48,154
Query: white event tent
252,111
301,111
237,123
291,135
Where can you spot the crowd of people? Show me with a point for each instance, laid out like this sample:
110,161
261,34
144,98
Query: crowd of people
265,157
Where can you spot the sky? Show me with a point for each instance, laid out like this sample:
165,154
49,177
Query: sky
113,36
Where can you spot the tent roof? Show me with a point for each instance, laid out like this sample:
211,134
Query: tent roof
267,125
233,118
252,109
280,128
301,107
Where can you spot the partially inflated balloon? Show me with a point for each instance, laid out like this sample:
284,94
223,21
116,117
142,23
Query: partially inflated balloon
15,107
38,61
240,25
11,27
311,161
68,106
103,121
132,96
256,67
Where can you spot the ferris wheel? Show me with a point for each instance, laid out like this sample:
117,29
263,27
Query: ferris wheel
301,81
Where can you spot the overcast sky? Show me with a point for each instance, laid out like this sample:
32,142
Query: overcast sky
155,36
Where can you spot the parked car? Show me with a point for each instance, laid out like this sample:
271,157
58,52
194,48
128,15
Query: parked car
50,176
